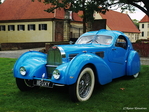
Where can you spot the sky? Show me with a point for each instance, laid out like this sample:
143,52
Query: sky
138,14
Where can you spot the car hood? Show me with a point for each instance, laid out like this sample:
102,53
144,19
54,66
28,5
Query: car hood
79,48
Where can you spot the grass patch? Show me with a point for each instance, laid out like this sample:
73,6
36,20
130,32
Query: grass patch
121,95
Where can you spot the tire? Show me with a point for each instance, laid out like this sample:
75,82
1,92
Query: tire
25,84
136,75
83,88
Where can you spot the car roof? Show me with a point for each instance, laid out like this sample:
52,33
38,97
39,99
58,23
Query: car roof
112,33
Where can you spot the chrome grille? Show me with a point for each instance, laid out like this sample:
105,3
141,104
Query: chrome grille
54,59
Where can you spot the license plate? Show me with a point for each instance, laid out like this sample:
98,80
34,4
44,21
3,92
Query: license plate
44,83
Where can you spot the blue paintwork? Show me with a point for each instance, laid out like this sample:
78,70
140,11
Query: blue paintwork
34,62
89,58
133,65
115,63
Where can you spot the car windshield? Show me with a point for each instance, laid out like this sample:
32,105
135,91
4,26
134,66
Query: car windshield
103,39
85,39
99,39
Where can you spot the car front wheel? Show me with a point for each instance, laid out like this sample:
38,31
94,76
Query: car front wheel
25,84
83,88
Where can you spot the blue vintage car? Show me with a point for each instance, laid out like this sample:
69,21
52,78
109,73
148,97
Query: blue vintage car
97,56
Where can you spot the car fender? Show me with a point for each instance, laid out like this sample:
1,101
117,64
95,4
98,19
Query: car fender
34,63
133,63
74,68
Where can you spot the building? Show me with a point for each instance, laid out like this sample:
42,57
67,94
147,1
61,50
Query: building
144,27
26,21
121,22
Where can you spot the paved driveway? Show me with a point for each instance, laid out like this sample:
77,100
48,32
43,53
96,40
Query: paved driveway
15,53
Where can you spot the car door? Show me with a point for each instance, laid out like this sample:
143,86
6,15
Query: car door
118,56
118,53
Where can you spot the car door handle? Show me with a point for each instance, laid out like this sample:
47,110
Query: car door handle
113,49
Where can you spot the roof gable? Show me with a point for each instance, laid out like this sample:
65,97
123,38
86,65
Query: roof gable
23,9
119,21
144,19
26,9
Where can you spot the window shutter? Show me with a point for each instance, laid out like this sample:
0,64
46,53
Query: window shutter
18,27
4,28
33,27
23,27
45,26
28,27
8,27
39,26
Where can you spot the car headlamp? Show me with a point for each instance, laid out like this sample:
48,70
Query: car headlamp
56,74
23,71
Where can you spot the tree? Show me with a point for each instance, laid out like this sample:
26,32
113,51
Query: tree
0,2
130,5
136,22
89,7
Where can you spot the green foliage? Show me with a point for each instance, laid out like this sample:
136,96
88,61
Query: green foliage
142,41
130,5
117,96
122,4
136,22
90,6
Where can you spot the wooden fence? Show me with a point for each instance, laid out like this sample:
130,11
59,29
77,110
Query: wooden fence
142,49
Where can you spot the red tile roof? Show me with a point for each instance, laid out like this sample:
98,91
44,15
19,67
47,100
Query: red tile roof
26,9
77,16
119,21
144,19
23,9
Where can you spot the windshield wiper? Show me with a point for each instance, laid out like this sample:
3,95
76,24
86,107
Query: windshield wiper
89,41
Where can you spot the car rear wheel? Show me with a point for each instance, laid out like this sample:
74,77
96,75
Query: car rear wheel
83,88
136,75
25,84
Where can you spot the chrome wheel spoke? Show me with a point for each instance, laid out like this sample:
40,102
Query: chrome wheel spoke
84,85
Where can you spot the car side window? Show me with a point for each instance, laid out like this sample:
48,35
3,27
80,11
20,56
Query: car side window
121,42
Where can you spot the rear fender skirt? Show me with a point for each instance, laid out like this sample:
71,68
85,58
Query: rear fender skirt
133,63
74,68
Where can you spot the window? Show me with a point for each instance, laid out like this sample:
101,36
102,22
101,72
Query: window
121,42
42,26
142,34
31,27
142,25
103,39
148,25
2,27
136,36
11,27
21,27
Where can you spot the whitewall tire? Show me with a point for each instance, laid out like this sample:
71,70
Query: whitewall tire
83,88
